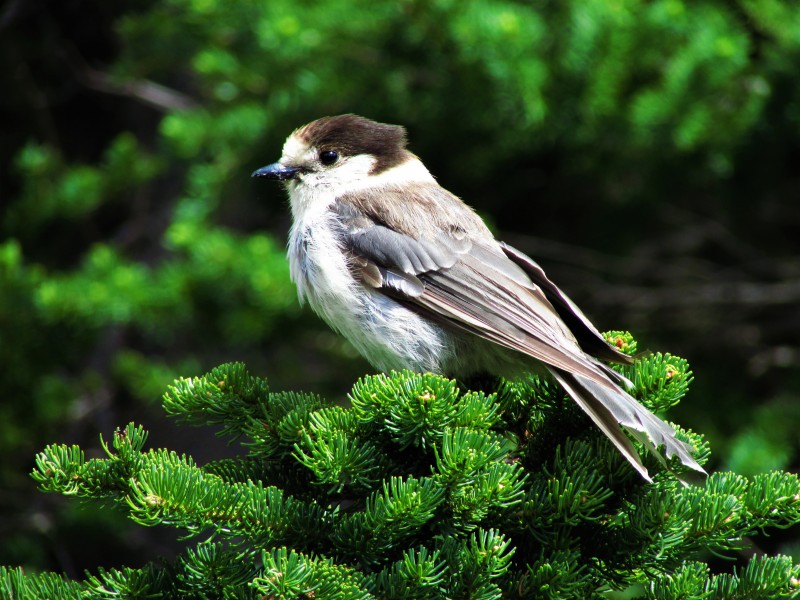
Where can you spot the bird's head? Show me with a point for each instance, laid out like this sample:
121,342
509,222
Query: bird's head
339,154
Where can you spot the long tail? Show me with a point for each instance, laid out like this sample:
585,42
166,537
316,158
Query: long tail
611,407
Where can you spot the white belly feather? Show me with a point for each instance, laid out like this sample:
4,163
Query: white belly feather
387,334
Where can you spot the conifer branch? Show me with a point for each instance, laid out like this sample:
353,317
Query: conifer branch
420,490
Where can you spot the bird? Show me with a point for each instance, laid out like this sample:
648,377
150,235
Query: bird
414,279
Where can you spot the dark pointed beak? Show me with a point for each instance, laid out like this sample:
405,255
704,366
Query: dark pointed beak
277,171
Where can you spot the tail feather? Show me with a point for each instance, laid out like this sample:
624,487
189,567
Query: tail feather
611,408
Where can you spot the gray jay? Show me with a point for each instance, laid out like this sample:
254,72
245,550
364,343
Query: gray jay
415,280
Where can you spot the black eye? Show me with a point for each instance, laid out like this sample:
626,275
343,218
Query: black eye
328,157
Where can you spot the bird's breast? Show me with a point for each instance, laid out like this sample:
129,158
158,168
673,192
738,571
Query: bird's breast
317,264
386,333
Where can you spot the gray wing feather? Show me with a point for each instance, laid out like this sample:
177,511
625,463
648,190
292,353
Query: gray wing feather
611,408
407,285
604,418
492,295
388,247
590,339
478,289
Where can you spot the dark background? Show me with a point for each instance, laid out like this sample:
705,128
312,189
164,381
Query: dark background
646,153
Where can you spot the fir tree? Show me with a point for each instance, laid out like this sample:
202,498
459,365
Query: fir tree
420,489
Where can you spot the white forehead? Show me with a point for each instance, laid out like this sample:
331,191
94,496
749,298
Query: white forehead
296,151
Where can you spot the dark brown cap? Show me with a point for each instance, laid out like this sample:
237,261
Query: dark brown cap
350,135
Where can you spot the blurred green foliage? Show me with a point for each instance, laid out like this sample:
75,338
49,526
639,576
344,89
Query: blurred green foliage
134,248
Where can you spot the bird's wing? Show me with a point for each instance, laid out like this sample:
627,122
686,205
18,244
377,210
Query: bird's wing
590,339
468,284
